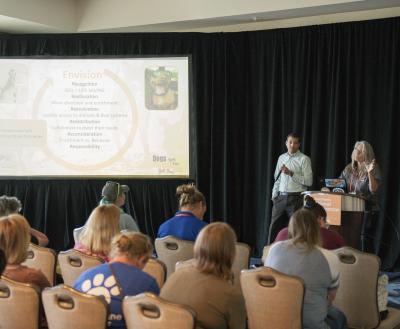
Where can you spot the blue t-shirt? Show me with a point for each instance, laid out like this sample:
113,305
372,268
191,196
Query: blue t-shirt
99,281
184,225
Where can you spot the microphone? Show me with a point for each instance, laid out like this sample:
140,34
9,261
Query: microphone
279,174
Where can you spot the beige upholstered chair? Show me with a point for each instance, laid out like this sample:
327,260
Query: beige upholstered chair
76,232
273,300
171,250
147,311
357,293
43,259
19,305
157,269
67,308
73,263
241,261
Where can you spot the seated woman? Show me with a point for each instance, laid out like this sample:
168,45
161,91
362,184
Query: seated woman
11,205
207,285
99,230
330,239
122,276
188,221
14,241
302,256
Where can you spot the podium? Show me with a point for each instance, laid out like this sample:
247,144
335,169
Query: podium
345,214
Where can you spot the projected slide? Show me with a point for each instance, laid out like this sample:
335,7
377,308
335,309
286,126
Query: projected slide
94,117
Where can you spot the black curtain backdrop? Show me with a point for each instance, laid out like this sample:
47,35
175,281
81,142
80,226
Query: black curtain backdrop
334,84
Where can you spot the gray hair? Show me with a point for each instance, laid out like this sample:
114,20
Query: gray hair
9,205
368,153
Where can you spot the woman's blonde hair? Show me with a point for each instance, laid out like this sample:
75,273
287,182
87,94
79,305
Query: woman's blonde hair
189,195
304,228
101,226
368,153
132,245
14,238
214,250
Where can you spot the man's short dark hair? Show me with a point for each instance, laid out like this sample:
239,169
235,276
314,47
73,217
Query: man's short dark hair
294,135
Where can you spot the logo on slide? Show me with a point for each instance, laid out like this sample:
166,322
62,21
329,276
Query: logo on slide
99,286
161,88
13,85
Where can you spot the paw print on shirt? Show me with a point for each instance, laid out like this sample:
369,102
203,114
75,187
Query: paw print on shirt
99,286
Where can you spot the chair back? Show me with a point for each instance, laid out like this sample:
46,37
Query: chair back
241,261
357,293
171,250
43,259
265,252
76,232
66,307
19,305
157,269
147,311
273,300
73,263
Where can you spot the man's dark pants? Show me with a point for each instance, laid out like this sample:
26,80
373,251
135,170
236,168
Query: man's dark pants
284,205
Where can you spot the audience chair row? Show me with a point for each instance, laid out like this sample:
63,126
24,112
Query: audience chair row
273,300
73,263
66,308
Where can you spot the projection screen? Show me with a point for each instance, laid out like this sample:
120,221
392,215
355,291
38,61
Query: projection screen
82,117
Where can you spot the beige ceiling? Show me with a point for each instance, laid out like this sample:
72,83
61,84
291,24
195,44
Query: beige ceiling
82,16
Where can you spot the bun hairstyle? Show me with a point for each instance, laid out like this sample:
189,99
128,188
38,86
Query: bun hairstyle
132,245
315,207
9,205
188,194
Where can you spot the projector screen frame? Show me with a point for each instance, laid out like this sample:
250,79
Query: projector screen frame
192,126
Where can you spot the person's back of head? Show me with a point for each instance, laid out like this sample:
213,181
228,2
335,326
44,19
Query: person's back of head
100,228
114,192
315,207
214,250
134,246
14,238
9,205
190,198
304,228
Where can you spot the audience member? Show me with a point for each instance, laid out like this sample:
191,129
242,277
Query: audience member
11,205
330,239
302,256
114,193
123,276
98,232
188,221
14,241
207,285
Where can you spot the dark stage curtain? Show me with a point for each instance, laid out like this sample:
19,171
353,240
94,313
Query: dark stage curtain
334,84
